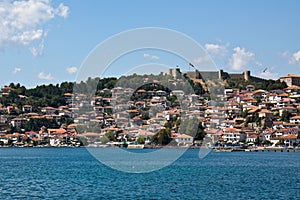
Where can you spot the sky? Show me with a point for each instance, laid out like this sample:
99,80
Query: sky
47,41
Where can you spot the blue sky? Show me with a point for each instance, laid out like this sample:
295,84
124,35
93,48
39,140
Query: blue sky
46,41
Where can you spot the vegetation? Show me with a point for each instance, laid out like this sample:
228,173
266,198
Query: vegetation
264,85
285,116
163,137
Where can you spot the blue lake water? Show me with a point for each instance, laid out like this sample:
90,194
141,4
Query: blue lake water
72,173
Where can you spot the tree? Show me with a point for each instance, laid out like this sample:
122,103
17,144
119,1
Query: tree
141,139
110,136
200,133
163,137
285,116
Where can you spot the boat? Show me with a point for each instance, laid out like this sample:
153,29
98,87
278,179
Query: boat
223,150
135,146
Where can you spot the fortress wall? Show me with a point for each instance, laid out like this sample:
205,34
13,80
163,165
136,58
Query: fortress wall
236,76
256,79
215,75
210,75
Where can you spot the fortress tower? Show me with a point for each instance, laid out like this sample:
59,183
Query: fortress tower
174,72
246,75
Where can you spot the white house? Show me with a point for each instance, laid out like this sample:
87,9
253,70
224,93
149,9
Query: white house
18,122
295,120
27,108
178,93
48,110
233,135
183,139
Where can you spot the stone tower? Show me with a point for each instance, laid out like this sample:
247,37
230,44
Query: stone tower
247,75
174,72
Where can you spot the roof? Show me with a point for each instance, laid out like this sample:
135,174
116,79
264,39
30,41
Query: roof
57,130
296,117
283,95
141,91
18,119
231,130
292,87
290,136
265,111
183,136
291,76
90,134
239,119
259,91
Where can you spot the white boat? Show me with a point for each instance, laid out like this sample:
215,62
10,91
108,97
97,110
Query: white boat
223,150
135,146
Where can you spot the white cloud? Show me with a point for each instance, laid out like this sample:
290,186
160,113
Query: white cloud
215,49
152,57
257,63
23,22
240,58
71,70
16,70
202,59
38,50
28,36
284,54
269,74
295,58
62,10
44,76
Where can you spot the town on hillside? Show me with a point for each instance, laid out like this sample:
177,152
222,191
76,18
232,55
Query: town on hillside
163,110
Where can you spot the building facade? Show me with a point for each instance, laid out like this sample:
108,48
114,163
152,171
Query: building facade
291,79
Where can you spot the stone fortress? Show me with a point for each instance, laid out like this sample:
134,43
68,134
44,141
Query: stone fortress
220,74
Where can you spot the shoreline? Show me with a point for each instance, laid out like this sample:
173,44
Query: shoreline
228,149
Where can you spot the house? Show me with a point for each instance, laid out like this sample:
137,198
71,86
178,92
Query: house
289,140
56,131
4,140
161,93
277,124
251,138
291,79
228,123
49,110
65,113
27,108
81,120
183,139
266,113
266,135
233,135
250,88
293,89
193,97
177,93
68,97
259,94
18,122
3,120
11,110
172,113
295,119
289,109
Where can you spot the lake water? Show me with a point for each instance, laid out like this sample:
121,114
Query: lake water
72,173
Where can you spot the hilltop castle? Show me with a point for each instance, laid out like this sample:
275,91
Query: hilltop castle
246,75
